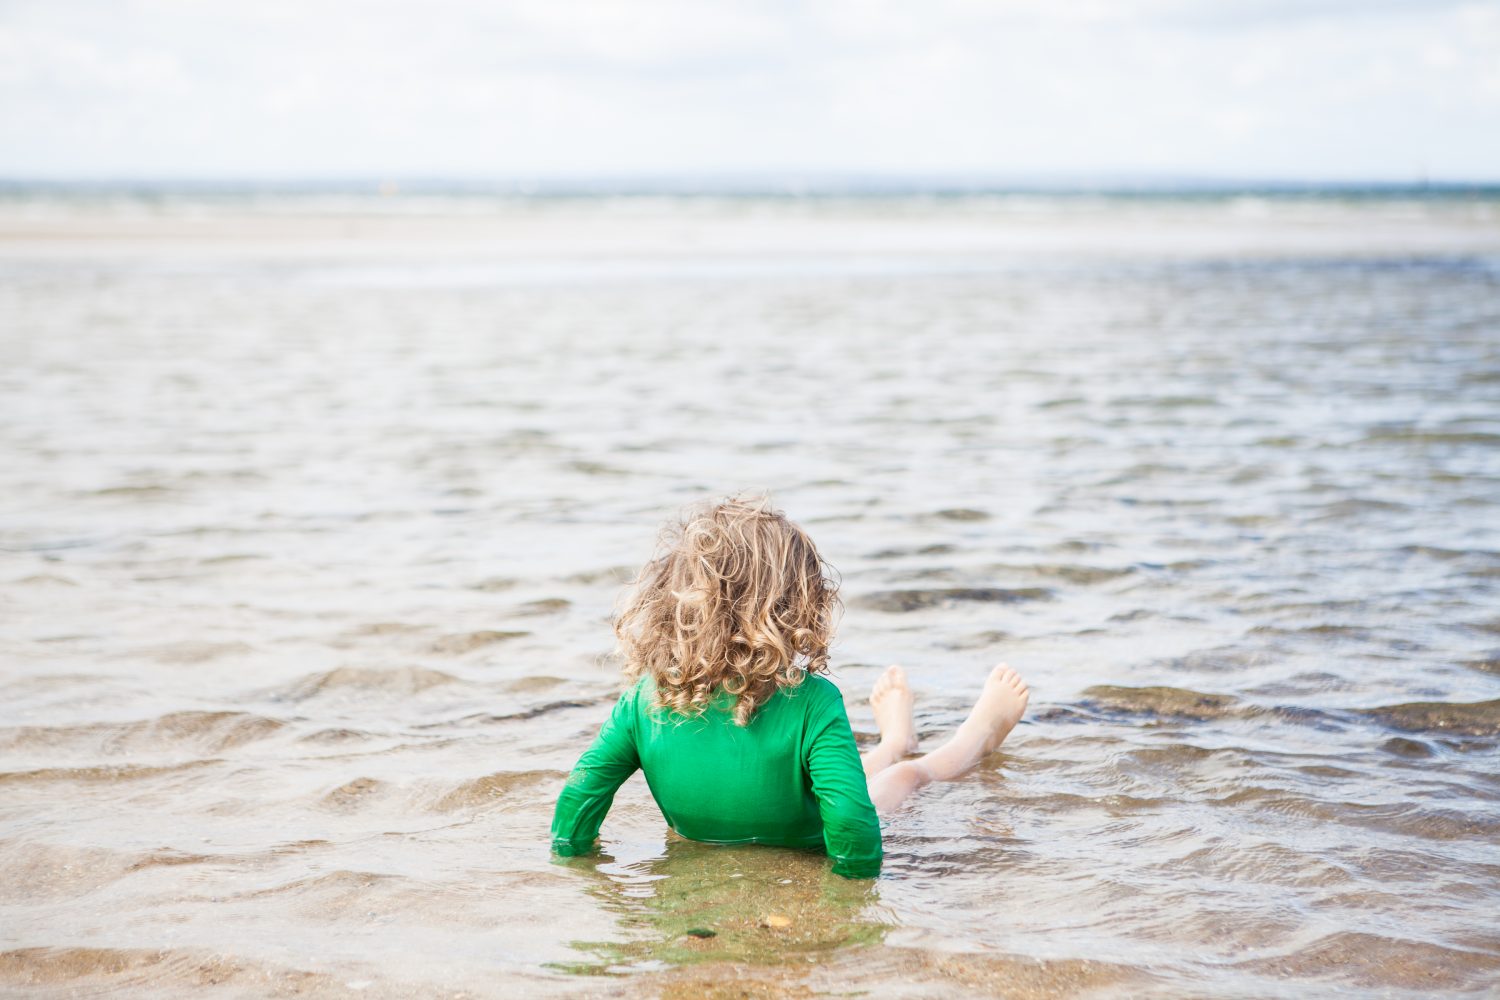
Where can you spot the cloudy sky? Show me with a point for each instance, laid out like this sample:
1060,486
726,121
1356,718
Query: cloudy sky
1289,89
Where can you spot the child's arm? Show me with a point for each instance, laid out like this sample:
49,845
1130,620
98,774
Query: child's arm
851,829
591,787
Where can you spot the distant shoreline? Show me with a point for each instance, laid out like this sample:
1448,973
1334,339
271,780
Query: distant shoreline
474,235
774,187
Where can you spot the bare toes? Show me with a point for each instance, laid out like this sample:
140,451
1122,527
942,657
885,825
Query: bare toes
893,677
1006,675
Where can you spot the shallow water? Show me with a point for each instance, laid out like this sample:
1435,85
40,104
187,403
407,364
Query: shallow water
313,512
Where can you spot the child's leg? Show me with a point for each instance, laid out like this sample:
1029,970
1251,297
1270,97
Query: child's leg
891,699
994,715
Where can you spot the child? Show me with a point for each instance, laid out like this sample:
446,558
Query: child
742,738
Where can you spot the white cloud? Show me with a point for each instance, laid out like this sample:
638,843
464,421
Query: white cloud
1286,88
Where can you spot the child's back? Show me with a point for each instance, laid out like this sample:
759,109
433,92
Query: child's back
790,776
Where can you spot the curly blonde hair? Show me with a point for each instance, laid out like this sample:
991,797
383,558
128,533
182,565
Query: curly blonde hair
737,598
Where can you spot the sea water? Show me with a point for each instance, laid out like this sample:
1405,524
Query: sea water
314,507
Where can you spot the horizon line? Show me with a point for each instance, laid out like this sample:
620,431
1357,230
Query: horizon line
741,183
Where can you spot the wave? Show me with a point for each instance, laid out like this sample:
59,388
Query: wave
901,601
1378,961
1401,818
492,584
1476,718
1412,435
485,718
1485,664
494,789
1265,863
544,606
36,871
389,681
1319,631
466,642
961,514
1068,572
490,789
901,552
378,629
154,971
978,640
1158,702
618,575
196,651
205,731
143,491
100,773
1167,402
1401,746
1444,554
47,683
1217,659
45,580
340,880
336,735
1480,718
353,795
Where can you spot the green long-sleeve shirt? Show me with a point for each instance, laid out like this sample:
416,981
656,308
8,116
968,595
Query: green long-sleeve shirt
791,777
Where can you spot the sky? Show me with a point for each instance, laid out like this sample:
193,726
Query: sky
1312,90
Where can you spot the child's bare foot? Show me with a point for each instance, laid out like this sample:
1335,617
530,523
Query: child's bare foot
1000,707
892,700
995,714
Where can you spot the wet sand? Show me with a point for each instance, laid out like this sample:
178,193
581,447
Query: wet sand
314,512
